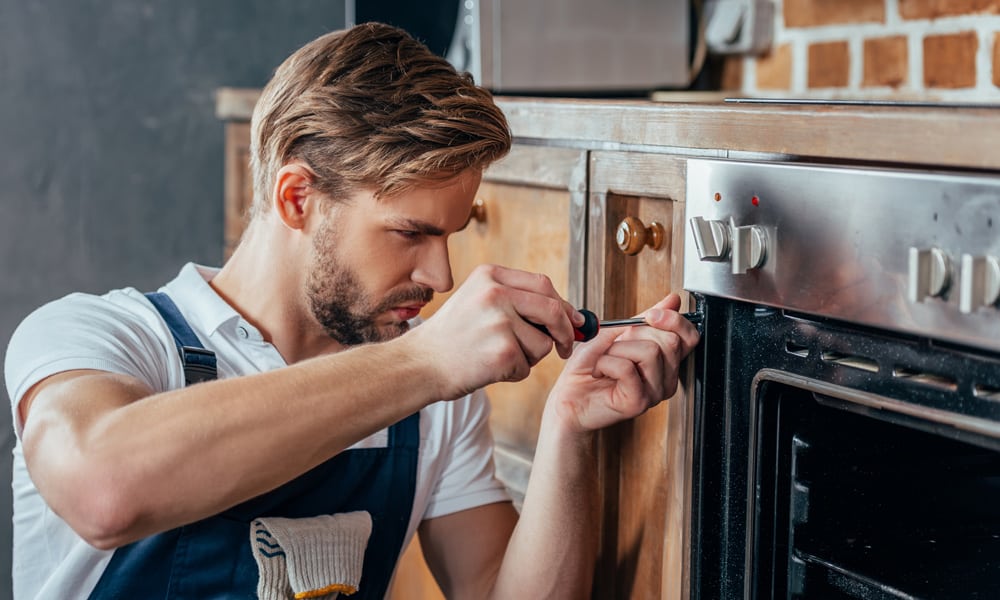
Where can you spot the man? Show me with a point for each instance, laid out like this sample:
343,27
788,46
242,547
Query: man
276,427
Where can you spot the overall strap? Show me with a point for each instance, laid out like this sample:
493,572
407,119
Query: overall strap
199,363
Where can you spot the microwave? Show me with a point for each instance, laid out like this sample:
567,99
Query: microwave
574,47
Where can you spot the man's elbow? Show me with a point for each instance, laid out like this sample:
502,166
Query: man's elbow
99,511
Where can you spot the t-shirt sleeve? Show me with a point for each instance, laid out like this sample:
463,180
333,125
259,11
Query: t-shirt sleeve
83,331
468,478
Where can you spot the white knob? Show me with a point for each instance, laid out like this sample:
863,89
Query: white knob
930,274
749,248
711,238
980,282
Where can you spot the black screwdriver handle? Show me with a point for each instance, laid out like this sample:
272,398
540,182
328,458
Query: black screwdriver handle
587,331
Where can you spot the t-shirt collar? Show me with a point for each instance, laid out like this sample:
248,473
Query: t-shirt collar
200,304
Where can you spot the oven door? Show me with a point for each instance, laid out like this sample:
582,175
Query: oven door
836,461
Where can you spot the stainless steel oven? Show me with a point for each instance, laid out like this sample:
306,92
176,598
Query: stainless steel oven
847,414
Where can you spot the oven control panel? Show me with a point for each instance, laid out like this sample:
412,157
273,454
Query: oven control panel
716,240
911,251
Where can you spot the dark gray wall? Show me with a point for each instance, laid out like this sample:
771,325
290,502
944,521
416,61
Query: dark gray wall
110,153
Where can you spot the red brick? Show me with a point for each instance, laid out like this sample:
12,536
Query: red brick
829,64
812,13
996,59
932,9
774,70
886,62
950,60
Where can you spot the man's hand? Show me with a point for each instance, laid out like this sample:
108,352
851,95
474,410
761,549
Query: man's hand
620,374
484,332
615,376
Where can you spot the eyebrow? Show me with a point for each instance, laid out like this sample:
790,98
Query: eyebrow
418,226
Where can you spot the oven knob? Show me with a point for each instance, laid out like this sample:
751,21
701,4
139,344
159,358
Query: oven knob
980,282
930,274
711,238
749,248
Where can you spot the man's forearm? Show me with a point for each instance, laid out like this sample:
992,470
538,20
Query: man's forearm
204,448
552,551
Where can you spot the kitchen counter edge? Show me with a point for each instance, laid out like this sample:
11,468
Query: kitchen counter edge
945,136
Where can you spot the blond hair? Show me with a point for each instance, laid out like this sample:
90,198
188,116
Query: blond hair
372,107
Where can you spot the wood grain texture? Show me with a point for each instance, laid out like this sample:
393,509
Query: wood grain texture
561,169
644,473
235,104
535,213
916,135
413,580
526,228
922,136
238,190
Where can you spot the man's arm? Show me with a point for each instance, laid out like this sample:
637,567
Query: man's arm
548,553
119,463
465,550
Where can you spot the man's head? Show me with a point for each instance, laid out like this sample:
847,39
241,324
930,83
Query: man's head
376,262
372,107
386,143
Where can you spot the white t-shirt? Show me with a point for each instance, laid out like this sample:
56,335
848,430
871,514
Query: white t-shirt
122,332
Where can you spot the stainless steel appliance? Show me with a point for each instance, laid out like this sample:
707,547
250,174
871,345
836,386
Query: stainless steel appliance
556,46
571,46
847,416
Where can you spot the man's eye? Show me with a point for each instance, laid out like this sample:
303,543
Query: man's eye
407,234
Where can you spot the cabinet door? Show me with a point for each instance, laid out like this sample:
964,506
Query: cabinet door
532,217
238,183
645,469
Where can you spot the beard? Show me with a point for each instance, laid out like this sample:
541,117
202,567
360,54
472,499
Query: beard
340,304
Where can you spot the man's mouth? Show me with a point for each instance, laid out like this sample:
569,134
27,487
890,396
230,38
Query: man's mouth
405,313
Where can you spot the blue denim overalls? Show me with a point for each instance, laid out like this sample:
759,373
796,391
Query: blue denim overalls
212,558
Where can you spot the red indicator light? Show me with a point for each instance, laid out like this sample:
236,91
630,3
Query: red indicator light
755,201
718,196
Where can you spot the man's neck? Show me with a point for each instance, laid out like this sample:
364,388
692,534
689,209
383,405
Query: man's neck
267,292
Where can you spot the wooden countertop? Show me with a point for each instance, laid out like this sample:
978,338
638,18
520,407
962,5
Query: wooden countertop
961,137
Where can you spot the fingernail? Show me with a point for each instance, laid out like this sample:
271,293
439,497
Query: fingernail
654,315
578,319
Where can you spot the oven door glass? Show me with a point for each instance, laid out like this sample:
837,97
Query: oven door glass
849,505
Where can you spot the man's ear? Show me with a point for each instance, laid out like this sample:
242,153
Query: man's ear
294,196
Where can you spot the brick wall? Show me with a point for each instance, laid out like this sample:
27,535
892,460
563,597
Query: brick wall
941,50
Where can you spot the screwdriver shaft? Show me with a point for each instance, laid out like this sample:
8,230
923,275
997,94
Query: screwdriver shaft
623,322
694,317
591,326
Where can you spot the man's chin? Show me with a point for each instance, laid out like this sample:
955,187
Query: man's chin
391,331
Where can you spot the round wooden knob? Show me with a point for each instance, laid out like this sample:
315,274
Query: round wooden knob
478,212
632,236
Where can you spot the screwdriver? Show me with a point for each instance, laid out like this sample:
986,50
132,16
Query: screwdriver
591,324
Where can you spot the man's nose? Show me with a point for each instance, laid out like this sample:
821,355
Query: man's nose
434,268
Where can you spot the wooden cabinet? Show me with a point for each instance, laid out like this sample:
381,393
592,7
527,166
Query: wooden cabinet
533,217
558,211
238,184
645,469
234,107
